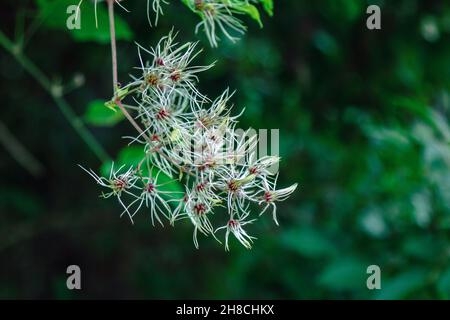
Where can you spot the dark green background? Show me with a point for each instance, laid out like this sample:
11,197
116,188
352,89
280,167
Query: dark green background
364,130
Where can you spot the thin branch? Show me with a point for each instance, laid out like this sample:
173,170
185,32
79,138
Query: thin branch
18,151
59,100
112,31
130,118
117,101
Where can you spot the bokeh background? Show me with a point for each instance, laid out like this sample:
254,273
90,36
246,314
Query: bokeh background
364,129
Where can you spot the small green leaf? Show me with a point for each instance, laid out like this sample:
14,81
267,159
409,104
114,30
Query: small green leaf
53,14
128,156
121,93
111,105
189,4
99,114
268,6
131,156
250,10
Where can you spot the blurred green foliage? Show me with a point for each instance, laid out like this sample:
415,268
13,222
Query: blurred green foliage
98,114
364,129
95,27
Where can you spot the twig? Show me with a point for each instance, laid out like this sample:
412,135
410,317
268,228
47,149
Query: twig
19,152
59,100
130,118
112,31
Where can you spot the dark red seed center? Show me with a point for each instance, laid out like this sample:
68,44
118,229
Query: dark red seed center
162,114
200,208
150,187
232,223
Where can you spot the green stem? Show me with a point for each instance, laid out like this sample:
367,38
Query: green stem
112,31
59,100
18,151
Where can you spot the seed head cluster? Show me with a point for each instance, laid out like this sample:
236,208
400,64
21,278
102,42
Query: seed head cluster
192,141
217,16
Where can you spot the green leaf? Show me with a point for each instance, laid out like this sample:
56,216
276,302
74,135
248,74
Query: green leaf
250,10
128,156
268,6
344,274
99,114
121,93
189,4
53,14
